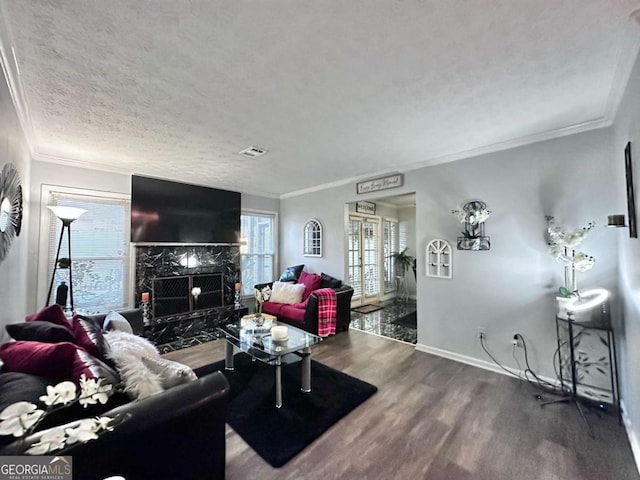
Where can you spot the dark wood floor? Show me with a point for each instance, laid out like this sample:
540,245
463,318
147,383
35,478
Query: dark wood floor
433,418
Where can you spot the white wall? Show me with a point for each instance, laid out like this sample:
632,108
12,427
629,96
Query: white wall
14,292
510,288
626,128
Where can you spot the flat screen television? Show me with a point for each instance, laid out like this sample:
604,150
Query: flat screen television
170,212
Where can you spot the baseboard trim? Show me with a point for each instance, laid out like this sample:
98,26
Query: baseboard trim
476,362
633,439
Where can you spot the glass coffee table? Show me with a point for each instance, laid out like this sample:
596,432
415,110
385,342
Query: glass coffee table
256,341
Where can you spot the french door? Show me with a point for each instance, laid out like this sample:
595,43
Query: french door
364,258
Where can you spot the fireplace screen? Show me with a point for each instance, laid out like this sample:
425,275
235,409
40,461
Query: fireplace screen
173,295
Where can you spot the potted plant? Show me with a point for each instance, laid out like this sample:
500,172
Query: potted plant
403,261
64,262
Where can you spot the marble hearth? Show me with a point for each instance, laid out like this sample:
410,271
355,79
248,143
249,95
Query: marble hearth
168,273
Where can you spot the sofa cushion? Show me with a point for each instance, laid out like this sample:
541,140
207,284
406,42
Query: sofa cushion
126,351
293,313
291,274
115,321
92,367
288,293
89,335
40,331
311,282
171,373
272,308
38,358
52,313
329,282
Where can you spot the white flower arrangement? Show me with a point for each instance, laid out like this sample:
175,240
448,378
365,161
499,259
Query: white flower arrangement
562,243
20,419
473,217
262,295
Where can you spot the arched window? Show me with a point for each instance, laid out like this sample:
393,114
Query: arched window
313,238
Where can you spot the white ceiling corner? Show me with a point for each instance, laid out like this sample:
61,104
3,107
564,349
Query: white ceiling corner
336,91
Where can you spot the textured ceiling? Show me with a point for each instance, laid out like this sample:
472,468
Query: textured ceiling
332,89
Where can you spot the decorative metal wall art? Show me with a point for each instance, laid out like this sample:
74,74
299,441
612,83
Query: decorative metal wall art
473,214
313,238
10,207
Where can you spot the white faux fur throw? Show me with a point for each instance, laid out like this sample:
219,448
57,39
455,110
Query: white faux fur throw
127,351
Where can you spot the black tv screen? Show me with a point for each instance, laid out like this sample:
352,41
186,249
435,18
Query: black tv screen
170,212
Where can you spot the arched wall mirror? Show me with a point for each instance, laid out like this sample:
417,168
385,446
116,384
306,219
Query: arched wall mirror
313,238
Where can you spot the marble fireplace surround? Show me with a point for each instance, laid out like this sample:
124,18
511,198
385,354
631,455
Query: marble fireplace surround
195,261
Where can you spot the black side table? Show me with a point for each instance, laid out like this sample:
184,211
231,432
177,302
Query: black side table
580,362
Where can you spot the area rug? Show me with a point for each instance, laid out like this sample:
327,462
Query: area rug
367,308
409,320
279,434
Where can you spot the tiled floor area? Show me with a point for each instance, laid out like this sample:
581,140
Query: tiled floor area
381,321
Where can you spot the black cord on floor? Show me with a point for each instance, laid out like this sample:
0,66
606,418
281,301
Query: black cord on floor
536,381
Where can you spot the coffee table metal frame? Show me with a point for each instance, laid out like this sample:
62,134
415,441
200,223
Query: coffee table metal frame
278,354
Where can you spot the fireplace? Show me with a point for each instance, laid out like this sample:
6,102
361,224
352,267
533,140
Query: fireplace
169,273
173,295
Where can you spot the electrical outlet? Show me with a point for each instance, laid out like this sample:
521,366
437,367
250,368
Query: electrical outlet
482,333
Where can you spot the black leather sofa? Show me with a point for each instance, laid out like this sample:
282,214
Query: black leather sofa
179,433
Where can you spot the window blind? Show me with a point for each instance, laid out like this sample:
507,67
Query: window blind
99,251
258,249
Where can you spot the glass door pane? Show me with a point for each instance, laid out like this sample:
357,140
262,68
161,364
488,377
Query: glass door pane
355,259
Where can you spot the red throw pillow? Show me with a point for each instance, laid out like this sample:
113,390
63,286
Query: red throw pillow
52,313
88,335
311,282
52,360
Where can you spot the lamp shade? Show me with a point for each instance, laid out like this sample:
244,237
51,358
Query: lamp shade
66,213
587,300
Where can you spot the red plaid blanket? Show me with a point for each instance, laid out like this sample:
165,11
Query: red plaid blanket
327,306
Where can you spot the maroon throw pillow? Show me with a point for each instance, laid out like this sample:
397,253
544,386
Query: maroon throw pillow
53,360
52,313
91,367
311,282
88,335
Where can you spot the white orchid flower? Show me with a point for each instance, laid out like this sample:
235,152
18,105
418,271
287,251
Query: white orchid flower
50,440
63,392
83,432
104,423
18,417
93,391
583,262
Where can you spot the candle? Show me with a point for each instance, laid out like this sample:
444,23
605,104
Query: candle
279,333
145,297
237,286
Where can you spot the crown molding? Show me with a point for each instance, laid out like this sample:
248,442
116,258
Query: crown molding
14,82
624,66
474,152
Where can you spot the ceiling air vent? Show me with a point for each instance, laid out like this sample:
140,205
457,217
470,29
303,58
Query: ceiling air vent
253,152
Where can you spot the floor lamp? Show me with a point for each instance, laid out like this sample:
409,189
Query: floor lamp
66,215
583,302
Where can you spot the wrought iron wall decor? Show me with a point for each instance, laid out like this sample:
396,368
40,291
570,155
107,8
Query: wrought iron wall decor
473,214
10,207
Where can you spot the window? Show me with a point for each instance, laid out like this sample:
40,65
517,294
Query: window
313,238
99,248
390,245
258,249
